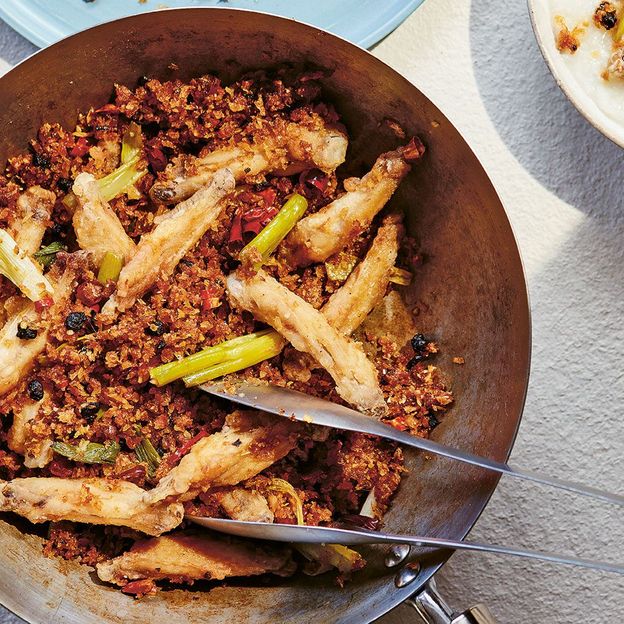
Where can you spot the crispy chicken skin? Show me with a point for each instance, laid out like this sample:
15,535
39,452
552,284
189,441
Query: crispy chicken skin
286,149
334,226
308,331
19,432
34,207
98,229
94,501
188,557
17,356
365,287
241,504
248,443
159,252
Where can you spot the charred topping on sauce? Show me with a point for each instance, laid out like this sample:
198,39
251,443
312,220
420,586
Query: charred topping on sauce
35,390
26,333
605,15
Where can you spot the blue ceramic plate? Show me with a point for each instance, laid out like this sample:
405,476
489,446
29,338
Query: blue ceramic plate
364,22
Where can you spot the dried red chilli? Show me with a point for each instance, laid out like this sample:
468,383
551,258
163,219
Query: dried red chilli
178,454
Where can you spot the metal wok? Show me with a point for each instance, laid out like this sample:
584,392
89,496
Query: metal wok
470,296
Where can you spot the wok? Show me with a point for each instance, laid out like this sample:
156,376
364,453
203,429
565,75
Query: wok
470,296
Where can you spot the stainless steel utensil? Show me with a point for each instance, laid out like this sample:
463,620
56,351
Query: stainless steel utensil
300,534
309,409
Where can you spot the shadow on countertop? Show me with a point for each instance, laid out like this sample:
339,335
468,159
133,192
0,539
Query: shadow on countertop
541,128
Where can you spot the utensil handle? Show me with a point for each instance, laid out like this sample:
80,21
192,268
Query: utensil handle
490,464
431,608
435,542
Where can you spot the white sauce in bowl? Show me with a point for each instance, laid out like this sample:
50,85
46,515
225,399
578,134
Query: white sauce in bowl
589,62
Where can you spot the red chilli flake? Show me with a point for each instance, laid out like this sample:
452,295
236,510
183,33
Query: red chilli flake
413,151
254,219
178,454
139,588
80,148
44,303
156,158
136,474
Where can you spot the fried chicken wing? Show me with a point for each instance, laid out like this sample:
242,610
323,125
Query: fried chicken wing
34,207
91,500
188,557
248,443
19,432
17,355
334,226
159,252
286,149
308,331
98,229
365,287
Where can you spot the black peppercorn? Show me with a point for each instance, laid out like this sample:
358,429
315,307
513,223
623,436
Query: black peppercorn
35,390
41,161
156,328
433,421
89,411
75,320
161,345
65,184
418,342
26,333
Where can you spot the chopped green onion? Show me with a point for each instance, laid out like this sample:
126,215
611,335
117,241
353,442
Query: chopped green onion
131,143
110,268
400,276
336,556
21,270
88,452
118,182
240,358
147,454
46,256
619,31
201,360
282,486
276,230
339,267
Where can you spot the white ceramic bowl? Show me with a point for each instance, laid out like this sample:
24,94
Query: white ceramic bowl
542,18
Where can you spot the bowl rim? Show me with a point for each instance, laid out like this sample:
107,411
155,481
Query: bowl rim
400,595
541,21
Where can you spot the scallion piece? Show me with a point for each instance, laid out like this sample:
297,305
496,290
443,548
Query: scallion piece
21,270
282,486
240,358
146,453
110,268
120,181
277,229
47,255
131,143
88,452
203,359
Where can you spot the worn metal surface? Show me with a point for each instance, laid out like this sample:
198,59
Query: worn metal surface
470,296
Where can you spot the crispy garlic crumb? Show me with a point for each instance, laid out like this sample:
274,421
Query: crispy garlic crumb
458,360
568,40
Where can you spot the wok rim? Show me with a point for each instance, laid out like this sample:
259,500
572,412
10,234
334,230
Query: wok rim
399,595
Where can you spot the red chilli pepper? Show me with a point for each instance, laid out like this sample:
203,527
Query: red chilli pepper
139,588
44,303
80,148
178,454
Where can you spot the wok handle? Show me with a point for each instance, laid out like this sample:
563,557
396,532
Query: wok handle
432,609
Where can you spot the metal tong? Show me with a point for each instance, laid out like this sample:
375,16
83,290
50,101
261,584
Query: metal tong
309,409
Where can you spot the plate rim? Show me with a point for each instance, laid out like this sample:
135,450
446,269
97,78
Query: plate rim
21,20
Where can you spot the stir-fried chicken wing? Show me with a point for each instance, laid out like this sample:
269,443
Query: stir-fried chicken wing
285,149
98,229
334,226
188,557
159,252
34,207
248,443
308,331
94,501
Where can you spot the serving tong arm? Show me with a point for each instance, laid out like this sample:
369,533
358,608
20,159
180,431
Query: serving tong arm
303,407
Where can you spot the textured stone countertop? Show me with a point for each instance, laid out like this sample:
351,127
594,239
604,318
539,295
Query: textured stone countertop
561,183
